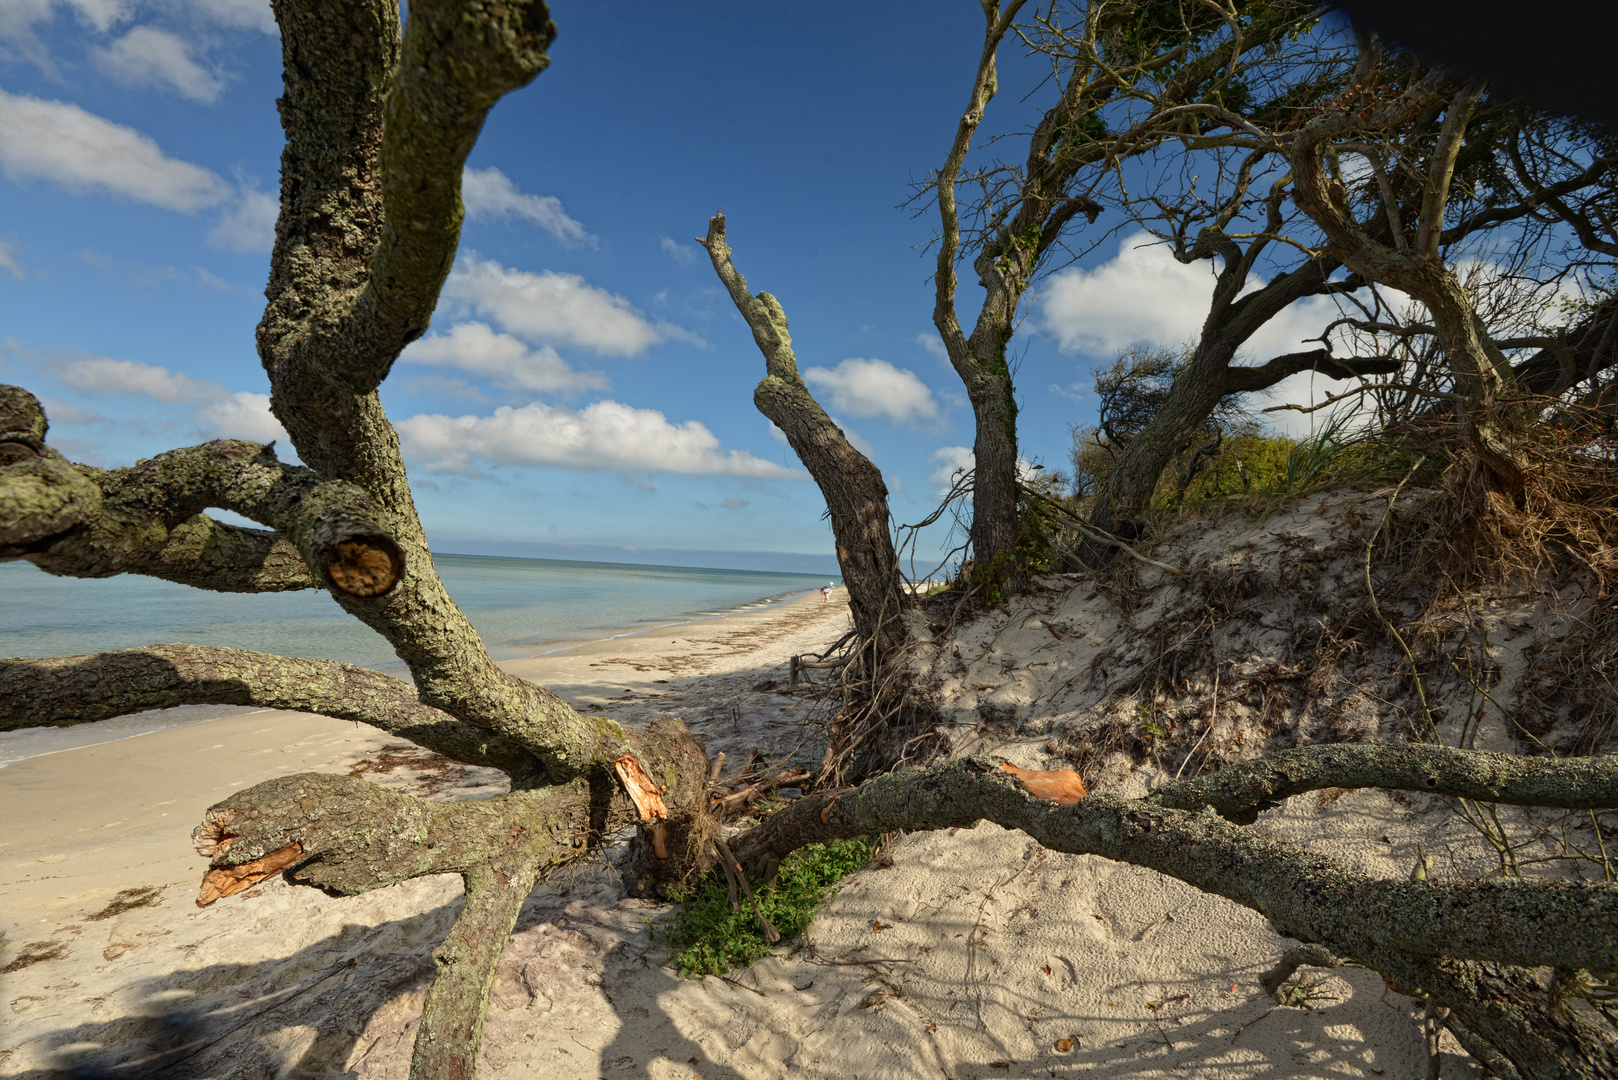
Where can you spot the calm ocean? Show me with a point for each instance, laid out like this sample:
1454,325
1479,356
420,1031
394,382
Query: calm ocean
522,607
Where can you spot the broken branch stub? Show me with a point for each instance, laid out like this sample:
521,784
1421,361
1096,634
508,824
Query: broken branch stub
1064,787
641,789
357,558
229,880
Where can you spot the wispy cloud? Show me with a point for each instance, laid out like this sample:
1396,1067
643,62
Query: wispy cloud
680,253
929,340
64,145
241,14
489,193
9,262
248,224
103,375
149,57
221,413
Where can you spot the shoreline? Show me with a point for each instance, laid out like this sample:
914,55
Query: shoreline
160,722
118,814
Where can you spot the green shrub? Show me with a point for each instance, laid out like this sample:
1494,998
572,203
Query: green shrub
709,937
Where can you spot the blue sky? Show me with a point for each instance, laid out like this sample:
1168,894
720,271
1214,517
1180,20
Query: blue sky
586,388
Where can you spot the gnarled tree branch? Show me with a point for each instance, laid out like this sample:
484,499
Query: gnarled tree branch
347,836
1240,792
1250,380
1444,940
72,690
855,493
459,58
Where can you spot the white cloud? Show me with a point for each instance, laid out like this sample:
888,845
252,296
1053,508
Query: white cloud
489,193
58,411
680,253
248,224
63,144
475,347
19,17
875,388
243,415
1143,296
243,14
149,57
8,261
102,15
605,435
952,461
223,415
929,340
554,308
101,375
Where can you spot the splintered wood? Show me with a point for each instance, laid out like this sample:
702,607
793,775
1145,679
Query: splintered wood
229,880
1064,787
641,789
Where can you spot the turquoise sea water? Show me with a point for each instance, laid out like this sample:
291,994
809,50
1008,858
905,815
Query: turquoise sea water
522,607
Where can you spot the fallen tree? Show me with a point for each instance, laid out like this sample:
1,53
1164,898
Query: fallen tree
378,128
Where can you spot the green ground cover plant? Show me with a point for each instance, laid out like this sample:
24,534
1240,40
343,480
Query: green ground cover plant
708,936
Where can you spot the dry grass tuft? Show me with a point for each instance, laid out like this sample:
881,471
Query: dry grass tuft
128,900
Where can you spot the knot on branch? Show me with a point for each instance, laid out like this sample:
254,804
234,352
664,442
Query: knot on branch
357,558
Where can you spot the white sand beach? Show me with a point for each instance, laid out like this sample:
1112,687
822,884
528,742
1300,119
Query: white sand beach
975,954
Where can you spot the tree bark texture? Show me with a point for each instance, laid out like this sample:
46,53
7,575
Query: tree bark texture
71,690
79,521
856,496
981,360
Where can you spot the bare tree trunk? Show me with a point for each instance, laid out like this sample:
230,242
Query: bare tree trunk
378,127
995,521
1209,377
856,496
1414,265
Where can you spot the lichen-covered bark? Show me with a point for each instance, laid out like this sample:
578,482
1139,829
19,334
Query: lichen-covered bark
347,836
378,129
1431,938
356,836
69,690
855,493
1240,792
370,214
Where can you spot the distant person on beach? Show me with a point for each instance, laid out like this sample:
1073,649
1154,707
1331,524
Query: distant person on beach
825,594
